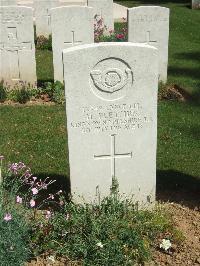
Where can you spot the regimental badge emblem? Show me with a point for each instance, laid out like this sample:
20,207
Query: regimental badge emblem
110,78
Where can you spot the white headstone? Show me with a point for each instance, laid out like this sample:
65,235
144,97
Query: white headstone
103,9
111,105
195,4
42,16
150,24
8,3
17,48
72,25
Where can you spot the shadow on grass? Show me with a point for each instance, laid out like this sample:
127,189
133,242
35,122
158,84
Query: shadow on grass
177,187
62,183
189,56
193,73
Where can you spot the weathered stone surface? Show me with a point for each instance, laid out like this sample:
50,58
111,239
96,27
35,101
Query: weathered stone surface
17,48
150,24
195,4
111,105
103,9
70,26
42,16
8,2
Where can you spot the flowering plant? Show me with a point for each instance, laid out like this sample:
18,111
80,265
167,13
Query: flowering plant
103,34
166,244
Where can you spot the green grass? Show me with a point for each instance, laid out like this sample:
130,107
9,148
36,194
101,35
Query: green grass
37,136
44,60
184,42
178,137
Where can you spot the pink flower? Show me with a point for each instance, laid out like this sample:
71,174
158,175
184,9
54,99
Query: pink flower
7,217
32,203
35,191
120,36
48,214
61,203
19,199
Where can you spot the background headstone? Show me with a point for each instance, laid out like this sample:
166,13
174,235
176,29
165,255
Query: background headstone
8,2
150,24
103,9
17,48
42,16
195,4
73,2
111,105
70,26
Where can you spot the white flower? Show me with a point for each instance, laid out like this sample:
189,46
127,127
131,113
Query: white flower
99,244
166,244
51,259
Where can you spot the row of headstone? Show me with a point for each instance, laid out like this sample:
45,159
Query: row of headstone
195,4
72,26
101,9
111,104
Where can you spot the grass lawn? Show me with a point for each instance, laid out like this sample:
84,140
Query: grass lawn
37,136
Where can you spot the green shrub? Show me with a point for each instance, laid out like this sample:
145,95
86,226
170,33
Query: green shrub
113,233
58,93
22,95
48,88
3,94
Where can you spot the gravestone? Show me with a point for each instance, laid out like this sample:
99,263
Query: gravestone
111,105
103,9
8,2
195,4
70,26
42,16
150,24
17,48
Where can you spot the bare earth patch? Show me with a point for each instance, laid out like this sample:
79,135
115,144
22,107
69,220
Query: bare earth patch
187,220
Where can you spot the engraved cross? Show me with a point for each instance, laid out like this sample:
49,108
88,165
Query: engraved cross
73,42
113,156
48,17
148,38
